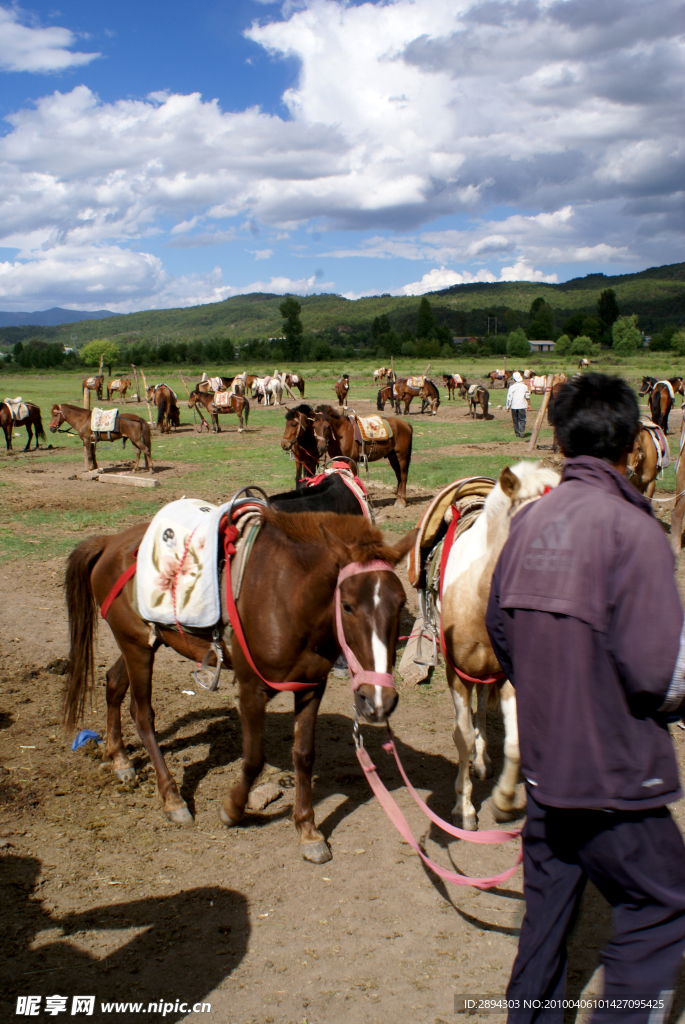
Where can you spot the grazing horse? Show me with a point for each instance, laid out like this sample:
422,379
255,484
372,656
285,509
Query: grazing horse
342,387
387,394
430,397
469,656
234,403
94,384
121,384
584,364
299,439
480,396
8,424
165,400
128,426
452,382
380,374
335,436
295,380
288,622
643,463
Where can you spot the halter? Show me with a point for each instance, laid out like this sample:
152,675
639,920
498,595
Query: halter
359,675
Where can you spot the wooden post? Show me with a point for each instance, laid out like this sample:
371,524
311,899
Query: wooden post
86,398
149,413
541,413
102,364
184,382
135,373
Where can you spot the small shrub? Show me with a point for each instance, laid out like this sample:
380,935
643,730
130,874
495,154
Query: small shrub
626,336
678,343
562,346
517,344
408,349
582,346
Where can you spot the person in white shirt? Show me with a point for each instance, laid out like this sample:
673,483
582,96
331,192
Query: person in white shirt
518,400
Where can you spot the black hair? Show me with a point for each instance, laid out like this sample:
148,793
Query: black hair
594,414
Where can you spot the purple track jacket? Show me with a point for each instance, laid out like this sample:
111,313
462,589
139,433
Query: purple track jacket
585,619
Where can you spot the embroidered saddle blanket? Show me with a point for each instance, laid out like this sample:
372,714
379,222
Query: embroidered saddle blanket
103,420
663,454
473,388
18,407
371,428
222,398
538,385
416,382
216,383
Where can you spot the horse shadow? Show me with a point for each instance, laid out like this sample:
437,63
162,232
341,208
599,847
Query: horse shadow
186,945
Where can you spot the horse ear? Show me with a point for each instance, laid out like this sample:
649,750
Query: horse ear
405,544
340,551
509,482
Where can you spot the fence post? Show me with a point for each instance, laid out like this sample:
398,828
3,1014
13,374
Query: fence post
541,413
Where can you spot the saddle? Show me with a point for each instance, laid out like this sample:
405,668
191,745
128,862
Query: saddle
104,421
18,407
92,382
473,388
369,429
222,398
457,378
351,481
663,454
158,386
114,385
416,382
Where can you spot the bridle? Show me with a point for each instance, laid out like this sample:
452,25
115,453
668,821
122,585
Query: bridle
291,445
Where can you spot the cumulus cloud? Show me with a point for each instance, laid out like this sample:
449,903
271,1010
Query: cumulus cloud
437,279
28,48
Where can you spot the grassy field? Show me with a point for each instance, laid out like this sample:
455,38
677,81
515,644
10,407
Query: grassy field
45,507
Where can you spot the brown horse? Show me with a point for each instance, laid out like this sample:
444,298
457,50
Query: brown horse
643,463
295,380
342,387
661,402
128,426
299,438
387,394
335,435
430,397
288,621
168,413
8,423
121,384
205,386
480,397
235,403
406,392
94,384
495,377
242,383
451,382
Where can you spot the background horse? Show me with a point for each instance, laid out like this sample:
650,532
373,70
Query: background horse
128,426
121,384
335,436
430,397
503,375
643,463
406,392
288,621
8,424
469,655
295,380
380,374
94,384
299,439
661,402
165,400
452,382
342,387
481,396
236,403
387,394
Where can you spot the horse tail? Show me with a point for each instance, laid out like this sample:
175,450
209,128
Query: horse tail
82,613
379,402
485,401
246,410
146,435
39,426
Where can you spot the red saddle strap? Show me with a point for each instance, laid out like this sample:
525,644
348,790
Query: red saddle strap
446,548
126,575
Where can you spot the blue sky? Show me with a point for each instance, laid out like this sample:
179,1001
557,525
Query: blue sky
155,155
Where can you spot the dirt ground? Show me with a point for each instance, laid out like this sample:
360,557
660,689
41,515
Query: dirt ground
103,897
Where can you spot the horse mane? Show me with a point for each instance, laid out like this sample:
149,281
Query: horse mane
532,477
296,410
365,541
328,410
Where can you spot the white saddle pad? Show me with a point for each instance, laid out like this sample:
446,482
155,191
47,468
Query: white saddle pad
416,382
91,382
178,560
103,419
115,384
17,407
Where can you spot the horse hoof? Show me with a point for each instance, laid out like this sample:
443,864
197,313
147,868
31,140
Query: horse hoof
125,774
501,814
228,822
482,771
180,816
317,853
468,823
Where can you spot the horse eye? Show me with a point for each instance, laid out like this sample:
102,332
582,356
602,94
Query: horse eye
348,609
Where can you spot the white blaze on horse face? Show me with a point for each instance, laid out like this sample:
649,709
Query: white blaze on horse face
380,650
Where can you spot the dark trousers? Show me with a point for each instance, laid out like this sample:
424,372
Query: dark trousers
519,418
637,861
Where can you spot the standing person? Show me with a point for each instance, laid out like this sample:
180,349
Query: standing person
518,400
585,619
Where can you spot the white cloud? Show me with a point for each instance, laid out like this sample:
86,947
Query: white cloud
263,254
24,48
437,279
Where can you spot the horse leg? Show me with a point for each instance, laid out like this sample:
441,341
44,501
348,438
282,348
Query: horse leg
117,685
482,765
92,461
253,700
504,793
8,436
30,434
464,738
401,474
677,524
139,657
313,846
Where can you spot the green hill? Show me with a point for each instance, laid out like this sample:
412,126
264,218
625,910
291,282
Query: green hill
657,295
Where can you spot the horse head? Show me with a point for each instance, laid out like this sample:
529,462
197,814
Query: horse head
517,486
298,422
647,385
193,399
57,418
323,431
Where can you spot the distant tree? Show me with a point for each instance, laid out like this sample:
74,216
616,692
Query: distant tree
517,343
447,351
18,349
425,321
625,335
290,310
380,325
607,307
408,348
678,342
582,346
428,348
592,328
573,326
91,352
541,320
535,307
562,346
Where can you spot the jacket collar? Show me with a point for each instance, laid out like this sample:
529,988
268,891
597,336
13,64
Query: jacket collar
597,473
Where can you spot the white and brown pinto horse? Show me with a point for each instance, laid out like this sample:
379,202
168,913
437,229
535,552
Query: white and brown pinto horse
469,656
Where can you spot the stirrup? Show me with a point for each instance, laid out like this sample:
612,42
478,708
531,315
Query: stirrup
207,672
431,660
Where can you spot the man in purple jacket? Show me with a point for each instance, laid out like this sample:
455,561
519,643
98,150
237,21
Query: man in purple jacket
585,619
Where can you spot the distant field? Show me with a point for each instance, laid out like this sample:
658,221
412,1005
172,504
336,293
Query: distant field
43,512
